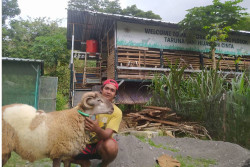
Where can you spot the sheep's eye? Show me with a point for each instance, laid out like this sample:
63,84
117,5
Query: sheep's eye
99,100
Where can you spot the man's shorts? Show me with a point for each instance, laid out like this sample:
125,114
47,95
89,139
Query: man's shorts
90,152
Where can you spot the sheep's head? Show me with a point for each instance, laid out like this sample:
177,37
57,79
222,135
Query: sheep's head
94,103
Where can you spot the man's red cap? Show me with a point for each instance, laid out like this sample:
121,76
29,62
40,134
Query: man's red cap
112,82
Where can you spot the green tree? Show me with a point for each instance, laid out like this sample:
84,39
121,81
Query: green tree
216,21
111,7
108,6
134,11
244,23
16,40
93,5
40,38
19,37
53,50
9,9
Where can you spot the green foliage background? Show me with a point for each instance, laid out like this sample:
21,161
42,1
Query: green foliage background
42,39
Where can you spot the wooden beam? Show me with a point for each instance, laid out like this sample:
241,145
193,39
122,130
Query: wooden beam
158,108
168,69
134,76
152,119
132,47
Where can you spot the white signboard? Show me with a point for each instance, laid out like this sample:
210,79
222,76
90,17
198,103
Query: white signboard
130,34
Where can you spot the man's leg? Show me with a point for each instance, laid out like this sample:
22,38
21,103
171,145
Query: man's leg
108,150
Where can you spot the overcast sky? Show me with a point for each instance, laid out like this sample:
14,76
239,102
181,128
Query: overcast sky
170,10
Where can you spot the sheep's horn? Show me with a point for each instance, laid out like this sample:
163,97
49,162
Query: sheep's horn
85,99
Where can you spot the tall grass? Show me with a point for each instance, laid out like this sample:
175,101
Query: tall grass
221,106
238,111
166,90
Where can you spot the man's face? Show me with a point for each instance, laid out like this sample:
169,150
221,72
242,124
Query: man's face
109,91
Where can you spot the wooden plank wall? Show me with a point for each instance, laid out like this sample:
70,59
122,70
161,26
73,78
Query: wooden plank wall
137,57
228,63
146,57
244,63
225,64
189,59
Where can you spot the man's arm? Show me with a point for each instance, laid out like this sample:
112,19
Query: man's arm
93,126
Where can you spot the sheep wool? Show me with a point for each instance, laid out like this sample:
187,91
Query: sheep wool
58,135
20,117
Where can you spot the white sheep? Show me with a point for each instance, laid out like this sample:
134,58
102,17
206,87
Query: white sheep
58,135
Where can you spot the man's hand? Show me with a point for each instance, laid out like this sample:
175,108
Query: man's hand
91,125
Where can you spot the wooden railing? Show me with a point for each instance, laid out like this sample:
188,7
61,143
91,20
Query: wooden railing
92,75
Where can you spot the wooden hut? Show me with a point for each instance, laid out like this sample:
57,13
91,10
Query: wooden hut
132,50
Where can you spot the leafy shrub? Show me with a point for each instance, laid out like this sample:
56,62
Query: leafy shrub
238,111
61,102
222,107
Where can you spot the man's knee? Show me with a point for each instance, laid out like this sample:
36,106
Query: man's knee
110,146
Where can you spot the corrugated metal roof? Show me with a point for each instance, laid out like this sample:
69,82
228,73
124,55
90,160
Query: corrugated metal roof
244,32
129,17
21,59
92,25
152,21
26,60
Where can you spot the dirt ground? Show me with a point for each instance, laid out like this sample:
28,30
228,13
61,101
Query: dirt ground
135,153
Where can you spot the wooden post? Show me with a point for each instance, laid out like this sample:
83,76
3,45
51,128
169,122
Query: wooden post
139,58
236,65
213,59
71,94
161,58
201,62
116,64
224,116
116,50
85,70
139,62
144,58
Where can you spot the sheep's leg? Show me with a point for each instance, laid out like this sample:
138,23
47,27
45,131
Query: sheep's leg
82,162
66,163
85,163
56,162
5,158
8,141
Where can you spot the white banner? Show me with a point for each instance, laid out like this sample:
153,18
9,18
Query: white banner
130,34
